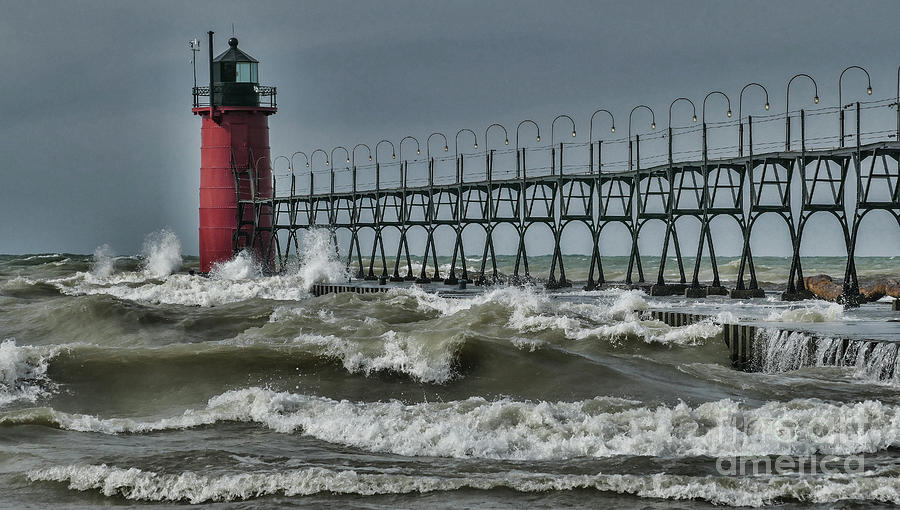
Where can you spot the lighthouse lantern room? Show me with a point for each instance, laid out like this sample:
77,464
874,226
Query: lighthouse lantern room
235,165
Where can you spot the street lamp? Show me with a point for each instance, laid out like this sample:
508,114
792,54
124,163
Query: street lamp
487,163
273,171
652,126
353,153
693,119
741,119
428,142
703,116
591,124
312,168
293,176
393,151
418,148
456,147
520,159
553,126
841,104
787,107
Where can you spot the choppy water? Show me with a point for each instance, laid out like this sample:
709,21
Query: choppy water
123,382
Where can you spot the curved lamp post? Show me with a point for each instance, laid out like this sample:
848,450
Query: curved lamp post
703,116
293,176
488,166
840,102
428,144
897,103
393,150
418,148
459,169
520,159
312,168
353,153
553,126
787,107
612,129
749,122
291,170
652,126
553,143
693,119
346,153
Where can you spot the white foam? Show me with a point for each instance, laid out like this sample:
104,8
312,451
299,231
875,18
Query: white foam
817,312
104,261
423,360
136,484
319,260
525,430
241,267
23,372
236,280
162,253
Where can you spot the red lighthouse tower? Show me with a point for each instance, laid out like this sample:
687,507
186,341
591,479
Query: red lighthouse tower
234,154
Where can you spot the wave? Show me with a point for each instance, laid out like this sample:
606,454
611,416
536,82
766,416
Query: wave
430,362
23,372
162,253
815,312
136,484
526,430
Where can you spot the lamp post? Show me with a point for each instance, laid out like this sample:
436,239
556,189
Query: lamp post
378,166
693,119
312,168
418,148
488,167
703,117
840,102
428,144
520,161
787,107
612,129
346,153
553,143
293,176
897,103
402,163
291,170
749,121
652,126
353,153
459,164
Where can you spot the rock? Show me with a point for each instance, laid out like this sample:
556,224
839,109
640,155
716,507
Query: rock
823,286
881,288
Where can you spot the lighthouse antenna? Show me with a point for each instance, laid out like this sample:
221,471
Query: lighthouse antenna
210,70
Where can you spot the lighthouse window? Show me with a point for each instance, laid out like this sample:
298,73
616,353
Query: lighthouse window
254,78
243,73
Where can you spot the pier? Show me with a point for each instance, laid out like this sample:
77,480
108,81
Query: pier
512,183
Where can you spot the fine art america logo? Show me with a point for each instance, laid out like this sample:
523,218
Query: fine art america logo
823,445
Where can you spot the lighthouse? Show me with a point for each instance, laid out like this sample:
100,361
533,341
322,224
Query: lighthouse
235,166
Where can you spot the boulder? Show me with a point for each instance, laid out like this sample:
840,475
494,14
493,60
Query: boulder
881,288
823,286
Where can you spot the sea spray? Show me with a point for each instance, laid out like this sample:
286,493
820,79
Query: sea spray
319,260
241,267
23,372
161,253
103,262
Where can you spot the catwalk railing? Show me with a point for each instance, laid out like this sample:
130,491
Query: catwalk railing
741,169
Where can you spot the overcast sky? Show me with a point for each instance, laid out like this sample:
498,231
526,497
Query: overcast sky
99,145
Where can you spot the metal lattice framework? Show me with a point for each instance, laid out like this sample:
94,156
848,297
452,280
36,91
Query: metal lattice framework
523,187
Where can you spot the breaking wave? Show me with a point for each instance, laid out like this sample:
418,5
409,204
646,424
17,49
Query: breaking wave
23,372
162,253
137,484
525,430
